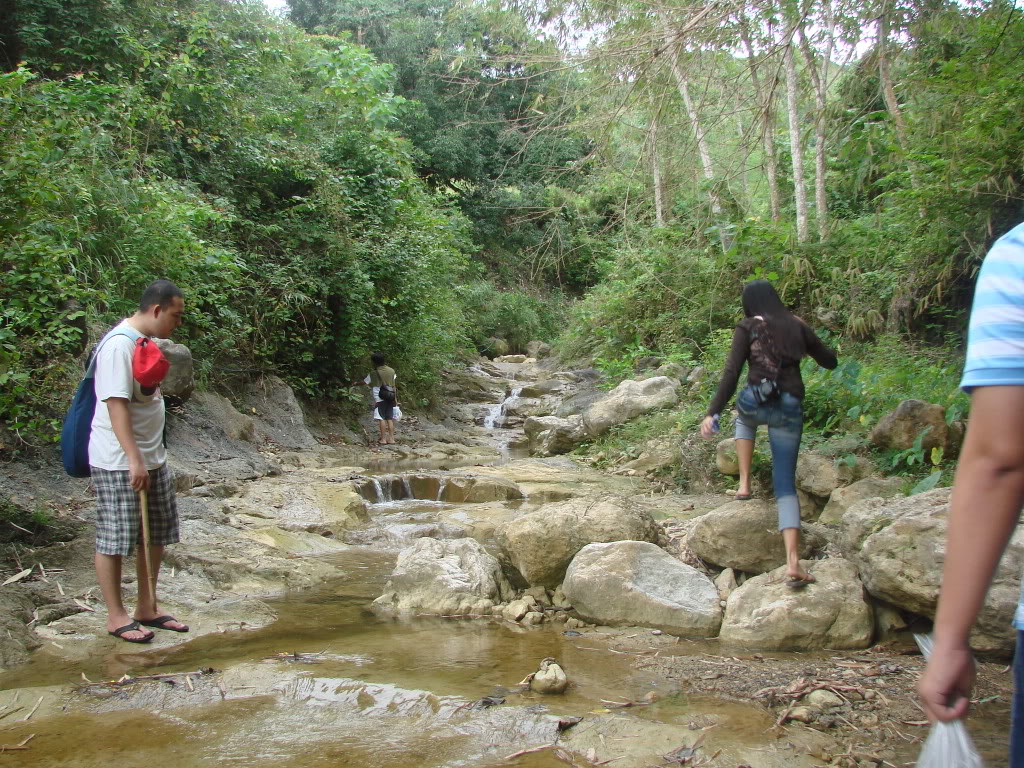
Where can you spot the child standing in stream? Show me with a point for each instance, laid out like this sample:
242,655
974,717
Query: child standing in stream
771,340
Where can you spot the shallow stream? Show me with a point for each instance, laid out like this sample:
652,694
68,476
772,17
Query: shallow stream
362,691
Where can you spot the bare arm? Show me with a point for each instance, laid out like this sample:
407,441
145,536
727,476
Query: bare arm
121,423
987,496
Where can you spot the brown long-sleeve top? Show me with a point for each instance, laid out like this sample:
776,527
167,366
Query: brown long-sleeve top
788,379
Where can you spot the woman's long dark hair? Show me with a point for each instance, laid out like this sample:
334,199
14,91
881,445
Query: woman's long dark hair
760,298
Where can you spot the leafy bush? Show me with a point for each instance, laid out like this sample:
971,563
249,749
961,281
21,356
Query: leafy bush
244,160
518,317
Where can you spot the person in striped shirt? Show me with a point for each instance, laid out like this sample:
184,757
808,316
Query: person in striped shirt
988,490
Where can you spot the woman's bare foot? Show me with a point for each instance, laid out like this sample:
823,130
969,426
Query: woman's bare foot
797,578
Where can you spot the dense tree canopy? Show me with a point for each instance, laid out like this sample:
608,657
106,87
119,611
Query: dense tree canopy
417,177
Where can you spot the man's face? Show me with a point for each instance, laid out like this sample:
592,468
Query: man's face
168,318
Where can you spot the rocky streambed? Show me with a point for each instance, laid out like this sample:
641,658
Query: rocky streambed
358,606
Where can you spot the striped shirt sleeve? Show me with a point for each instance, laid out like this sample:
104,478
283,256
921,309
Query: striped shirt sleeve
995,338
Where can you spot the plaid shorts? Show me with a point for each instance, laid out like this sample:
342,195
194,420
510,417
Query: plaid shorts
119,516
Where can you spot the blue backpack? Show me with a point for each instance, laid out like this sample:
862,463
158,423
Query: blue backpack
74,435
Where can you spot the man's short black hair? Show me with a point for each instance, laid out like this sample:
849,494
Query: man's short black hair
161,292
378,360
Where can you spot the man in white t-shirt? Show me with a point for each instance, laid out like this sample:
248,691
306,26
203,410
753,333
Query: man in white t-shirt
127,455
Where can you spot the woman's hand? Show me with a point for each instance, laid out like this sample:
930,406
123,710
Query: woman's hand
707,427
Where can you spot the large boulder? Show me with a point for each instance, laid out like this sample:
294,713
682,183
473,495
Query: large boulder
277,414
541,544
765,614
578,402
726,460
656,455
868,488
899,546
552,436
899,429
744,535
180,381
467,386
635,583
538,349
629,400
820,475
454,577
541,388
495,347
221,413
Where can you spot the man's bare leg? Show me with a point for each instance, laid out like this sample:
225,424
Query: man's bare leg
146,608
383,432
391,430
108,575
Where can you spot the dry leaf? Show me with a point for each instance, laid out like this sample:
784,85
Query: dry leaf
17,577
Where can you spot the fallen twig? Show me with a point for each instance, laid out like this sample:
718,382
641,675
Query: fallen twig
530,751
126,680
29,715
19,745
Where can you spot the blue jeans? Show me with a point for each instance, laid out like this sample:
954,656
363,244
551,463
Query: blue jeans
785,420
1017,718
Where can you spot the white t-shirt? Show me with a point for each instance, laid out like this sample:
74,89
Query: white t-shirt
113,378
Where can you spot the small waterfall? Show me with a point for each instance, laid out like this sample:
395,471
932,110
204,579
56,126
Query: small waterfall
441,489
406,488
381,496
493,416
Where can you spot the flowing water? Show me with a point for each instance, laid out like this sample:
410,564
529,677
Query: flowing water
331,684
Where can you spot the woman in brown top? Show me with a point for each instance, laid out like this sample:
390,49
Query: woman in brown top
772,341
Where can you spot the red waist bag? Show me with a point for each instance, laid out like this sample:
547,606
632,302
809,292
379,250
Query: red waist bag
149,366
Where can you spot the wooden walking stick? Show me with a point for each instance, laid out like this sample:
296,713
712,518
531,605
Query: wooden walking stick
144,504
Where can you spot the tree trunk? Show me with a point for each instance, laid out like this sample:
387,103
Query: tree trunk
702,144
659,199
742,137
820,80
764,99
885,76
796,146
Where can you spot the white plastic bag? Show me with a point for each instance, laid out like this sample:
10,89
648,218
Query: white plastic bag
948,744
396,413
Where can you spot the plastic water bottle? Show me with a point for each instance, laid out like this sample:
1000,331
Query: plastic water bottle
714,424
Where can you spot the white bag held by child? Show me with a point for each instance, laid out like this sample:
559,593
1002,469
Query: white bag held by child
948,744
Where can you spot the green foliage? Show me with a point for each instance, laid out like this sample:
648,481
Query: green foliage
930,482
484,124
248,162
517,317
